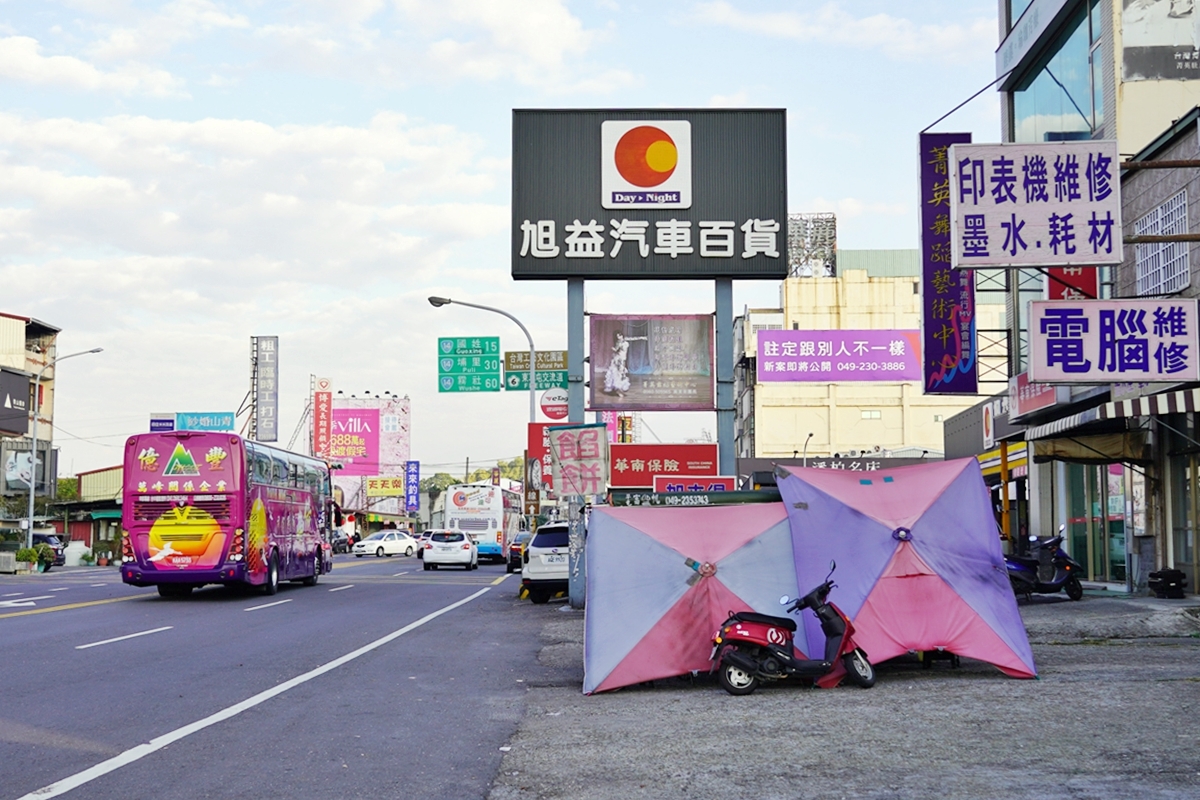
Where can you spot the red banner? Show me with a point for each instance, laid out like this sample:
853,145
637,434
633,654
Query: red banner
1073,283
322,422
635,465
538,453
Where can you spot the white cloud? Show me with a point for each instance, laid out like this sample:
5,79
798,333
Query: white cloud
21,60
897,37
155,33
739,99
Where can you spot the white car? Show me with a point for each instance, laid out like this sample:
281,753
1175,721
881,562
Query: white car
386,543
545,569
450,548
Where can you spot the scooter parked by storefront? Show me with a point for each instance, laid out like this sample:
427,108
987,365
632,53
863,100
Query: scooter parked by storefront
750,648
1048,569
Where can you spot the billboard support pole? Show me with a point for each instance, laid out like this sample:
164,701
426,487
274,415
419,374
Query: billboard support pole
575,365
724,334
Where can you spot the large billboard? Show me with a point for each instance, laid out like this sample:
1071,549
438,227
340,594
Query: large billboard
948,321
650,194
637,465
841,355
369,437
651,363
1113,341
14,403
265,388
18,467
1049,204
1159,40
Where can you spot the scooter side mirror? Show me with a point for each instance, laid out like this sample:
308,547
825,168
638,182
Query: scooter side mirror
784,600
1062,528
832,565
1033,538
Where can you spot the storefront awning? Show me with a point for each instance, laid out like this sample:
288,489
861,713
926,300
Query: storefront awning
1169,403
106,513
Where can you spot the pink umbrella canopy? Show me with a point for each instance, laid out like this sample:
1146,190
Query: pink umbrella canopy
661,580
919,565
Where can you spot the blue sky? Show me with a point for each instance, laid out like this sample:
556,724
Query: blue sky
177,177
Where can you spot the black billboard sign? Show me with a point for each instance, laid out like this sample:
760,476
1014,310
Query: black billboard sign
651,194
14,402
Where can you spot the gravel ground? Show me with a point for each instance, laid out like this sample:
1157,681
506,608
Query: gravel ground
1115,714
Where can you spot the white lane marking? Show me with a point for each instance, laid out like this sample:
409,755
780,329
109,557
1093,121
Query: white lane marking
25,601
266,605
123,638
347,586
142,750
12,594
94,585
398,574
62,589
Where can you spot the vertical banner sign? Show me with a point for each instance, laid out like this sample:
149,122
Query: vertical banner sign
266,388
947,296
1072,283
412,485
579,454
322,416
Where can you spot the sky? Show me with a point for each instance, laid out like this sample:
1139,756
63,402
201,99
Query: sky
178,177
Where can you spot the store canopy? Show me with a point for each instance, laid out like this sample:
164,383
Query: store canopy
660,581
919,565
1167,403
106,513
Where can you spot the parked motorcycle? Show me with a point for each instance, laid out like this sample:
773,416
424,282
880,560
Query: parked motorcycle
1046,570
750,648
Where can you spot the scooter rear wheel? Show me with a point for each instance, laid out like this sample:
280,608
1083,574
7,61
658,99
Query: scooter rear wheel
859,669
1074,589
735,680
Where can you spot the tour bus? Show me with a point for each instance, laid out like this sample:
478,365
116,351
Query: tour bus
202,507
491,516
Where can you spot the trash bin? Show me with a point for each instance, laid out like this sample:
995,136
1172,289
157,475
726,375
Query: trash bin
1168,583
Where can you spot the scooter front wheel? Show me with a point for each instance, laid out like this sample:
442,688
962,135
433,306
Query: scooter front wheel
859,669
736,680
1074,588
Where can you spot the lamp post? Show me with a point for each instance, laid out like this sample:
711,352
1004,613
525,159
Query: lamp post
806,448
438,302
34,435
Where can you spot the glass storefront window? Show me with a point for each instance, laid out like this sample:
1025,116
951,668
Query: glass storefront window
1057,101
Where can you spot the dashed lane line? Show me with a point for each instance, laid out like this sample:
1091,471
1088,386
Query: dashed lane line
347,586
123,638
267,605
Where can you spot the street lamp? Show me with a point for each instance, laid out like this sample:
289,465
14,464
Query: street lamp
34,436
438,302
806,448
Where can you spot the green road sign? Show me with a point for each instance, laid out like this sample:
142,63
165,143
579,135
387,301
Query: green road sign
469,365
469,383
546,379
468,346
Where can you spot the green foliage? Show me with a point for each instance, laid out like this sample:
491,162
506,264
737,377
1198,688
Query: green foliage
514,470
27,554
68,490
439,482
45,553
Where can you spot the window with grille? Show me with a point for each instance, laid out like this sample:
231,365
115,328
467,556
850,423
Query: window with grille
1163,268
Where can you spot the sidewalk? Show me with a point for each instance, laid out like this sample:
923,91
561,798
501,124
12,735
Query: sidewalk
1112,671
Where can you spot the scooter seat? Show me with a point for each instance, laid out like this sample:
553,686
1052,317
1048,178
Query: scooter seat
766,619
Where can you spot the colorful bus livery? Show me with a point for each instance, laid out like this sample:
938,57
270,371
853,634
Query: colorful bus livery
491,516
203,507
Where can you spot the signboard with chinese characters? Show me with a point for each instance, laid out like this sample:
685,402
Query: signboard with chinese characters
384,487
161,423
322,416
842,355
265,391
1107,341
412,485
469,364
538,455
1026,397
1051,204
638,464
947,296
579,455
652,363
1072,283
649,194
204,421
14,402
551,370
694,483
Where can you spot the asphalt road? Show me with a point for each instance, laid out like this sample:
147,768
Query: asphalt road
423,714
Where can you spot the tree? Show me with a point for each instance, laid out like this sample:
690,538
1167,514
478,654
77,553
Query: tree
438,482
68,490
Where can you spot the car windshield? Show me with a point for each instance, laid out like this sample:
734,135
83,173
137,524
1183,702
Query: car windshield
447,537
557,537
378,535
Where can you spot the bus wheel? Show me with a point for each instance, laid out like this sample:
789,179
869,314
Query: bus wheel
316,576
272,584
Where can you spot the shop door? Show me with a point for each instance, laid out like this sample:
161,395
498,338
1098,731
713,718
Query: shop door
1184,516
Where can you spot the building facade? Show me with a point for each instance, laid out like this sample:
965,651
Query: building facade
873,290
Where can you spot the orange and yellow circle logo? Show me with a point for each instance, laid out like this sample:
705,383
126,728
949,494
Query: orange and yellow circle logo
646,156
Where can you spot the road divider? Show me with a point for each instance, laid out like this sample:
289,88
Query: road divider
142,750
123,638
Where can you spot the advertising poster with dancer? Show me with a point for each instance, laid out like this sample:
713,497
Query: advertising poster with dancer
652,363
1160,40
